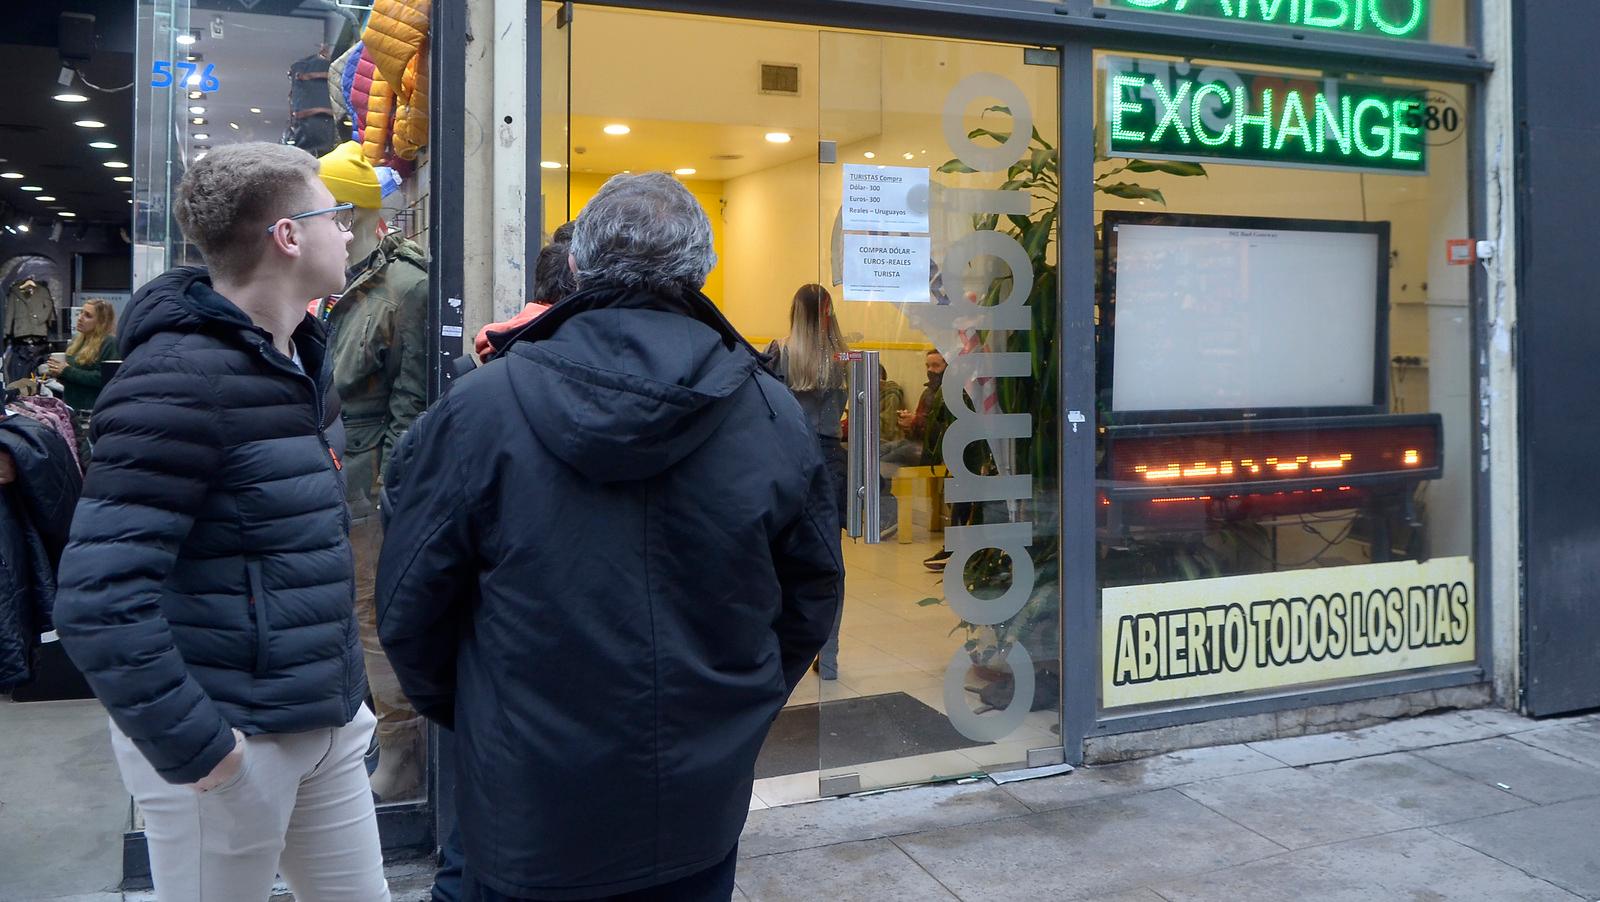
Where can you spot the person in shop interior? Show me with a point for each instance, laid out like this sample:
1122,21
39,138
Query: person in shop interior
206,590
379,348
79,371
612,605
922,444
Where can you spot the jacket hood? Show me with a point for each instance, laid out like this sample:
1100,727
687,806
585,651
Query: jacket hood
178,300
182,300
622,386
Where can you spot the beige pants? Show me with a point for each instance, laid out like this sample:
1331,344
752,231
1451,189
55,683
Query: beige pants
396,718
300,806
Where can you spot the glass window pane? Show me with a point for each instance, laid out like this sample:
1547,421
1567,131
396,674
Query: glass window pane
1284,465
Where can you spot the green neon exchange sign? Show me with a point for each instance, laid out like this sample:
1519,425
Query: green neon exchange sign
1384,18
1174,111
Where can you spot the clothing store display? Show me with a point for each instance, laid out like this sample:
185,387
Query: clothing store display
299,806
371,108
208,582
379,352
397,38
350,177
30,310
35,517
312,126
339,75
621,421
24,356
55,414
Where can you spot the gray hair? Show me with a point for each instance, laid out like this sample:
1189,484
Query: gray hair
643,232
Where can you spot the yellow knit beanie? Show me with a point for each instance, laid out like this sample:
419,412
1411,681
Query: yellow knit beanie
350,177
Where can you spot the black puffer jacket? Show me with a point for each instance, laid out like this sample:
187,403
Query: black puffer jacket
612,553
35,514
208,581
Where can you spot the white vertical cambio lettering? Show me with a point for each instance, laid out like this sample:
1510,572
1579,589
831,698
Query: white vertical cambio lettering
971,423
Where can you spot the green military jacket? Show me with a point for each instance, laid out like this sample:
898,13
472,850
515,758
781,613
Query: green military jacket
379,348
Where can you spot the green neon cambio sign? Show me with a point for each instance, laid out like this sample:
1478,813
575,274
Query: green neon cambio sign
1176,111
1382,18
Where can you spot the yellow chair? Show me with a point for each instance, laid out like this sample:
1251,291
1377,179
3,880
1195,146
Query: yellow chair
909,482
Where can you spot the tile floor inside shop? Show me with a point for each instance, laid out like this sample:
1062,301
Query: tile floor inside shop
888,643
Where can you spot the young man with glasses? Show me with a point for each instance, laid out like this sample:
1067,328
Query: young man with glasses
206,590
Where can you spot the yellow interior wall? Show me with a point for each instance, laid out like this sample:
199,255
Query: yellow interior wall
585,185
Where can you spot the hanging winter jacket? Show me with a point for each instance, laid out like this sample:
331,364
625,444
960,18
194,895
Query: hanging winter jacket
411,109
372,109
394,34
35,516
397,39
339,76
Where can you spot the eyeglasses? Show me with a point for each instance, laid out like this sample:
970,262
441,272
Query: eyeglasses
344,216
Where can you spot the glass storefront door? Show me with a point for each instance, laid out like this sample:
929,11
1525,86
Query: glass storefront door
938,194
866,193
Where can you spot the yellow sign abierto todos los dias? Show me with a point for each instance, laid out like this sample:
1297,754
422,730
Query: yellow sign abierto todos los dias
1182,640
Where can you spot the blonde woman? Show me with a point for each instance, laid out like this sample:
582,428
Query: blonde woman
79,373
808,362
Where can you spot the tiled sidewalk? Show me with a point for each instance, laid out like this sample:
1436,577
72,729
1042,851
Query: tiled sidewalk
1472,805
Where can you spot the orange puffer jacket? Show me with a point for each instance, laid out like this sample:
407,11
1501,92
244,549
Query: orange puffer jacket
372,108
397,37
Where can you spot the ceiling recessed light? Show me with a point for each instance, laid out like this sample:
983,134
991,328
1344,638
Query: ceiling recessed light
44,198
200,156
185,39
550,164
234,126
71,98
255,109
89,123
202,137
102,145
684,171
196,95
870,155
909,155
32,188
123,178
198,120
10,175
197,110
114,164
616,128
67,213
778,137
192,80
24,227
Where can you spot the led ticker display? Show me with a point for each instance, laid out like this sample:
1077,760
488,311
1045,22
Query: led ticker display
1173,465
1160,110
1384,18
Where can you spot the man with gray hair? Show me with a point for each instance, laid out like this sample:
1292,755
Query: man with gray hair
613,604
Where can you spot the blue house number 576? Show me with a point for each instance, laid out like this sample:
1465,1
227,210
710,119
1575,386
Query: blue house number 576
164,74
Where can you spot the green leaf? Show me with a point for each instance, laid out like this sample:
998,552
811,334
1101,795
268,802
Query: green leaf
956,166
1170,167
999,109
1001,137
1132,192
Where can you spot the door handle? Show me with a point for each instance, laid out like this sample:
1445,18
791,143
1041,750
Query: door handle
865,468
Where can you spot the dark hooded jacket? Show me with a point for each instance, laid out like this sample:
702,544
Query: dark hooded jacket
611,555
207,584
35,514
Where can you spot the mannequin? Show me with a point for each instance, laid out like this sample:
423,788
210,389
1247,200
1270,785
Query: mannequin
378,345
365,235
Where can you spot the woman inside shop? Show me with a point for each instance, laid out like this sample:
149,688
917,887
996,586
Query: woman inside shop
79,373
808,362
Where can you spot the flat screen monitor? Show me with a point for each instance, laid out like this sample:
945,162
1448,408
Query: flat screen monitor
1218,318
